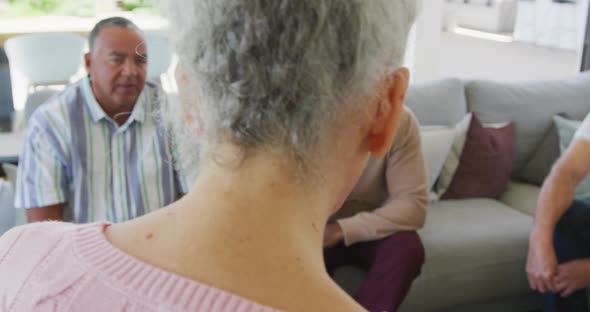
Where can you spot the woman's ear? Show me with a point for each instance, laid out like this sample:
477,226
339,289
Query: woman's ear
389,109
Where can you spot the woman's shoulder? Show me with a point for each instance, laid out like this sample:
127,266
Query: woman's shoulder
50,228
24,254
37,232
30,243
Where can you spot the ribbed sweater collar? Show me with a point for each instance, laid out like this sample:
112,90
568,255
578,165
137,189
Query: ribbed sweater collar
147,282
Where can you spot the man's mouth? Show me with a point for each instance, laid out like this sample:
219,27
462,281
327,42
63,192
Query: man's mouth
127,88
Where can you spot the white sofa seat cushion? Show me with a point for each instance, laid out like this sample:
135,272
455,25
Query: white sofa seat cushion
469,241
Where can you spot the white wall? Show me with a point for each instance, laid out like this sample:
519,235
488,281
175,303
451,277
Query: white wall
424,44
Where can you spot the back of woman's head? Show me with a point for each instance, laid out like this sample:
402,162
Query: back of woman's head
281,73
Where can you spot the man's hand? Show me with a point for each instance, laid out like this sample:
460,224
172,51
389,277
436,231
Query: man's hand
53,213
541,266
572,276
333,234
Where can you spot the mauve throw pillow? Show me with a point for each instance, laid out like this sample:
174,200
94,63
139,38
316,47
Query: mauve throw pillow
486,162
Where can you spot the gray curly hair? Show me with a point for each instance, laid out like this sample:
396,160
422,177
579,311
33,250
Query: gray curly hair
279,73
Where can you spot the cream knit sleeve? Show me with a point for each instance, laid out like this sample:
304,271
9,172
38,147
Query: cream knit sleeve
405,208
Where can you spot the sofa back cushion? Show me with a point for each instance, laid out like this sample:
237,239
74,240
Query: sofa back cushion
531,105
537,168
437,103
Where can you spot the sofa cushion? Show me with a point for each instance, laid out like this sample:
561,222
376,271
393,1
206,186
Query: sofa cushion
476,245
349,277
437,103
485,163
436,143
531,105
538,167
566,130
453,158
522,197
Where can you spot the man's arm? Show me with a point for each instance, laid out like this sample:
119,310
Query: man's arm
41,186
53,213
555,198
405,209
559,189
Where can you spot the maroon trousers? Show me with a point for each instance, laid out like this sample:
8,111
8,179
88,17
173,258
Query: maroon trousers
392,264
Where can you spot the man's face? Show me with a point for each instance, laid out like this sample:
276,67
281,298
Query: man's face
117,67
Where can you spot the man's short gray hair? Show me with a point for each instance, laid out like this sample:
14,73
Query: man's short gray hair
108,22
280,73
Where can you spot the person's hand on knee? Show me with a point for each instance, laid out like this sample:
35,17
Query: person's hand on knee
572,276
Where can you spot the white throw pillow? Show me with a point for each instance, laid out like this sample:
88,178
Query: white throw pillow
436,143
452,162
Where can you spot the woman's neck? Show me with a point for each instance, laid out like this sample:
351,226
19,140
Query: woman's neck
249,230
258,214
260,201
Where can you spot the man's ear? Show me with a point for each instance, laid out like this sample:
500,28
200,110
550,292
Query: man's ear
87,62
389,110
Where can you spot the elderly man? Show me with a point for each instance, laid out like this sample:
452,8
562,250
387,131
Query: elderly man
95,151
558,261
375,228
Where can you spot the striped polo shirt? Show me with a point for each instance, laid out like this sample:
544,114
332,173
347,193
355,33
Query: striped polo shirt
74,153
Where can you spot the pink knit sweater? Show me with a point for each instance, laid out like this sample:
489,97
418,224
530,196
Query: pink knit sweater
54,266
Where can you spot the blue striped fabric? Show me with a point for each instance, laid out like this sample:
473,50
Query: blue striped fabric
75,154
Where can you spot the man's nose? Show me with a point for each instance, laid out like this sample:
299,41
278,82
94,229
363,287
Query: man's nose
130,68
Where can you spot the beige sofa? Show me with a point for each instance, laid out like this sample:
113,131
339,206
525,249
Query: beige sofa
476,248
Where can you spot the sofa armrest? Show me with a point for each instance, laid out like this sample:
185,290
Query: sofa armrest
521,196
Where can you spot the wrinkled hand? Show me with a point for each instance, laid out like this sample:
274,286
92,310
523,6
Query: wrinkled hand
333,234
541,266
572,276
